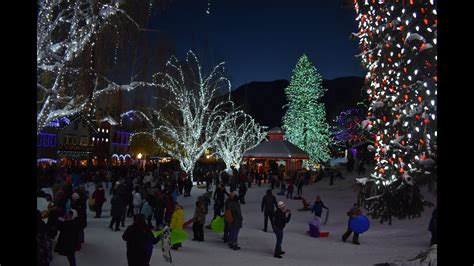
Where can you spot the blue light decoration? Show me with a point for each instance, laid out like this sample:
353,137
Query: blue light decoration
121,138
61,122
48,160
354,152
121,156
115,138
46,140
348,126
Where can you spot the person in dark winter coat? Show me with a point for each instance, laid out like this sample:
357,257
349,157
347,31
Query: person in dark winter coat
116,211
79,205
99,197
273,181
353,212
226,224
250,176
217,210
268,205
181,181
188,185
140,241
307,177
43,242
68,237
318,207
126,196
299,185
169,208
219,198
159,210
127,190
281,217
433,227
290,191
242,192
282,188
198,220
332,175
236,224
52,223
361,169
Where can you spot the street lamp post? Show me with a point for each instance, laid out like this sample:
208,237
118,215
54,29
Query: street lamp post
139,158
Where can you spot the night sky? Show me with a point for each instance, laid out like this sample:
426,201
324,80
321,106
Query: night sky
261,40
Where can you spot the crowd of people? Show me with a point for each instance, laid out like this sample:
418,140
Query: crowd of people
147,194
153,194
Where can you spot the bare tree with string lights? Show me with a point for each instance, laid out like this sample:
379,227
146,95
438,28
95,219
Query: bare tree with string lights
191,116
242,134
67,33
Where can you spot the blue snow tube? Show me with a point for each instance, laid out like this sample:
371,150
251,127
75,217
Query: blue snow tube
359,224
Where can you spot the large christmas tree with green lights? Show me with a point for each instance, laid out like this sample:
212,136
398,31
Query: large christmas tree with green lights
305,120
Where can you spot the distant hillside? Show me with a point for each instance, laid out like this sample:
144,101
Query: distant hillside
264,100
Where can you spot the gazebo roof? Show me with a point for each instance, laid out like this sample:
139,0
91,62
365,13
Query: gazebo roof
276,130
276,149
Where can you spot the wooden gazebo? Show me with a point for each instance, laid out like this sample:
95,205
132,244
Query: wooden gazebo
277,149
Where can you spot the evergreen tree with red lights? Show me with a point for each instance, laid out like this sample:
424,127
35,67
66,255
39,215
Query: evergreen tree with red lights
399,49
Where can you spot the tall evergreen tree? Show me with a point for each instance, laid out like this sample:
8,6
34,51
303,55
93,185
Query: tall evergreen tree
398,43
305,120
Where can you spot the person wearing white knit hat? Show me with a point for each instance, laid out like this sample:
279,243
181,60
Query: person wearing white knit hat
281,217
75,196
281,204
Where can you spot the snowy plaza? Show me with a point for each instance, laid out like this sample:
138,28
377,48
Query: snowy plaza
142,102
402,240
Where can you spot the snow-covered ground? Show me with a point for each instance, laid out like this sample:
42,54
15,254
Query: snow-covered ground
382,243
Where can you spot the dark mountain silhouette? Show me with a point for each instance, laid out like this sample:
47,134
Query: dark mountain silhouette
264,101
